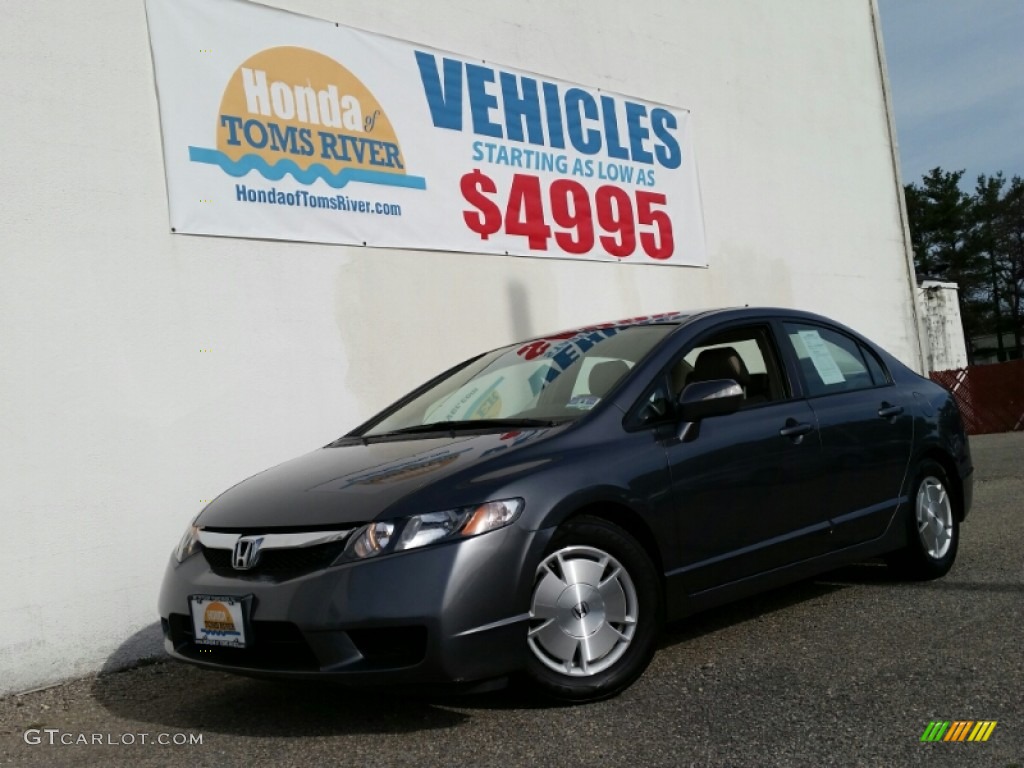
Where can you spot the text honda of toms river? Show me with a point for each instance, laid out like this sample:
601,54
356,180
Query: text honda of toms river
544,507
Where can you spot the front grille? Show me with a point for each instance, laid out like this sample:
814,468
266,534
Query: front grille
274,645
277,564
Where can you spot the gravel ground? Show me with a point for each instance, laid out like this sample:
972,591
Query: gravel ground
845,670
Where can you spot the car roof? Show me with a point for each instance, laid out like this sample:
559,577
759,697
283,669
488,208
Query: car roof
681,317
662,318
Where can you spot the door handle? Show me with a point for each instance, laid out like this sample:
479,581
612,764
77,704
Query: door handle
888,411
795,429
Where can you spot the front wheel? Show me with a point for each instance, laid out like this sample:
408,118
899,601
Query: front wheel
933,534
594,612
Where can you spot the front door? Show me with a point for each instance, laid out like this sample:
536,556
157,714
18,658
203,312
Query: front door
741,487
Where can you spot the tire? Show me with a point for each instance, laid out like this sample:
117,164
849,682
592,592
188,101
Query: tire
933,531
595,612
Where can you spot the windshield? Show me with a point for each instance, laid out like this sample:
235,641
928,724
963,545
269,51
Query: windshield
548,380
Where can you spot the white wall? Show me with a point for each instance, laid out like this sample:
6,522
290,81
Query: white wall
115,426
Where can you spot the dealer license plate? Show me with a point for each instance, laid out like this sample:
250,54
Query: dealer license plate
220,619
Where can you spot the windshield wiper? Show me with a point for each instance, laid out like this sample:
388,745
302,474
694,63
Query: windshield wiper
469,424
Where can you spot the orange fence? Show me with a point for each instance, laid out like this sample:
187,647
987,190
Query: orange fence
991,397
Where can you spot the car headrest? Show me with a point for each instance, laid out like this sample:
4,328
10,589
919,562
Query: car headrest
680,374
720,363
604,376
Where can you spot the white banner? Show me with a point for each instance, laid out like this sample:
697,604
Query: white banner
281,126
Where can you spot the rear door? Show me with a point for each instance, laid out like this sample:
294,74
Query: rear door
865,424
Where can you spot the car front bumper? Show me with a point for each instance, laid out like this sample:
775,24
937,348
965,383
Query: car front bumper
455,612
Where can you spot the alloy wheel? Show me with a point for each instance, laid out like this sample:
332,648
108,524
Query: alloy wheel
934,518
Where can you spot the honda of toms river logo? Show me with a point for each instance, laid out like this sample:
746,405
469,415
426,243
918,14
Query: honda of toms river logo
217,620
958,730
293,111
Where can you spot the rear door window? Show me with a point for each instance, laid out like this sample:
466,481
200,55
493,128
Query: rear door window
831,362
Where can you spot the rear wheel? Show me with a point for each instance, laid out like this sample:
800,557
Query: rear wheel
594,612
933,534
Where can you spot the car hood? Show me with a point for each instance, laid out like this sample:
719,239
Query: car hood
354,483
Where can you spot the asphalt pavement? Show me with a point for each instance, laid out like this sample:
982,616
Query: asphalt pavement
848,670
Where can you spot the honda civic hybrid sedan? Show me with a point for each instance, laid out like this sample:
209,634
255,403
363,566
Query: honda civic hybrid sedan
540,510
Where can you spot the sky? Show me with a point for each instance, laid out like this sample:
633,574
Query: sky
956,69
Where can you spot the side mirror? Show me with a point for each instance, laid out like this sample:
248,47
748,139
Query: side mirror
707,398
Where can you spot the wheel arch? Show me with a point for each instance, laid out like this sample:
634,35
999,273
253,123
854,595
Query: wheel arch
953,479
628,520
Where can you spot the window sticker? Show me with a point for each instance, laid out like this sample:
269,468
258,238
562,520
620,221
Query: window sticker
488,405
583,402
822,359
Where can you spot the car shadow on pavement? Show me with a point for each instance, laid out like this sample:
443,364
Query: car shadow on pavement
174,695
867,572
177,695
878,574
679,632
747,609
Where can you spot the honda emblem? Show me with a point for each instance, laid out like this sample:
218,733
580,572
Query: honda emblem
246,553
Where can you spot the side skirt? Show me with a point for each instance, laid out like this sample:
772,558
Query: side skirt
679,604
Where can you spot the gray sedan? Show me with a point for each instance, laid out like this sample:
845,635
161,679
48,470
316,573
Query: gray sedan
541,509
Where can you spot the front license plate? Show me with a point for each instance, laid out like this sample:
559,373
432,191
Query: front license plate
220,619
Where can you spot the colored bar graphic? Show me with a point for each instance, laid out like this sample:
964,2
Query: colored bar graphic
935,730
982,730
958,730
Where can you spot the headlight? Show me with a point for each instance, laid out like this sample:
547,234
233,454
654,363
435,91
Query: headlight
371,539
189,543
430,528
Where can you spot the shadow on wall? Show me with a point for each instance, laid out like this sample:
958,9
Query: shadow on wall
519,309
